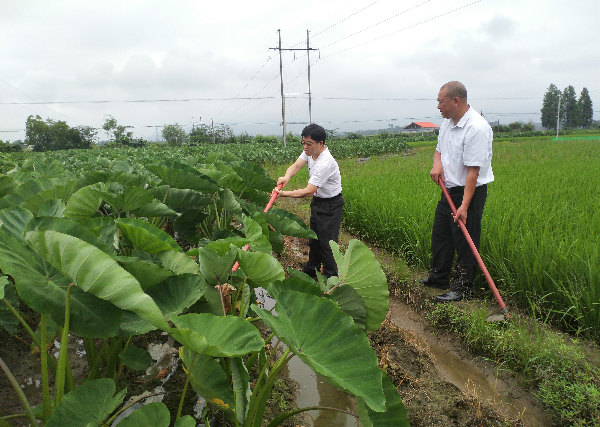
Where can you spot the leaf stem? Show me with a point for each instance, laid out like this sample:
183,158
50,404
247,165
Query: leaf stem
22,397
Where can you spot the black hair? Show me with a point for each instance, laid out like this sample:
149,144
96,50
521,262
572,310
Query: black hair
315,132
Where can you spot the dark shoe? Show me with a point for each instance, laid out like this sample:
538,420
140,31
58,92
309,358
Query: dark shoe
433,284
453,296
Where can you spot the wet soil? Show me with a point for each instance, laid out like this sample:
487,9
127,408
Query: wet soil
440,382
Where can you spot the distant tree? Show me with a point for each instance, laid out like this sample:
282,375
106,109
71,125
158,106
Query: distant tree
51,135
528,127
244,138
200,135
119,133
586,109
550,107
174,134
569,109
7,147
515,126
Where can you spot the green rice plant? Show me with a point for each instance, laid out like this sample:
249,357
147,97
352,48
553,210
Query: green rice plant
541,224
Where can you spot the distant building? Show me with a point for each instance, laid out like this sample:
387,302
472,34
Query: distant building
422,126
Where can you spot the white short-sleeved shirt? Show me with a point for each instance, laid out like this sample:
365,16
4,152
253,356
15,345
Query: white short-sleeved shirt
324,173
468,143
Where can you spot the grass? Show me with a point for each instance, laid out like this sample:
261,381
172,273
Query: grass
541,225
568,381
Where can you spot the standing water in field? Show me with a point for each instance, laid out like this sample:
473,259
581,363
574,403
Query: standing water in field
314,390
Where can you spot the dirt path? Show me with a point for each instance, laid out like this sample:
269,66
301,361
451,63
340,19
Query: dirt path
441,384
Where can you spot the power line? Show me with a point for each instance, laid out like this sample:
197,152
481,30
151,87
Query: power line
379,23
405,28
35,101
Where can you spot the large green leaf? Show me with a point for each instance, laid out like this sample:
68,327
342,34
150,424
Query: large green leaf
69,227
84,203
95,272
241,387
288,224
395,414
327,340
222,246
44,289
180,198
218,336
28,190
178,263
228,201
14,220
135,358
88,405
208,378
261,269
216,268
294,284
350,302
52,207
154,208
47,168
254,230
176,293
179,175
145,272
129,199
61,192
7,185
145,236
254,176
359,268
154,414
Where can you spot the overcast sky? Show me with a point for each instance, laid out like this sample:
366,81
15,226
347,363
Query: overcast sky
197,61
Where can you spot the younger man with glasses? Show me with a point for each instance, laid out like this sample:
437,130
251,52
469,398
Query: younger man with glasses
327,204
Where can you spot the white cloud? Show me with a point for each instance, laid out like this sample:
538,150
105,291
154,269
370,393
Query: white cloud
143,50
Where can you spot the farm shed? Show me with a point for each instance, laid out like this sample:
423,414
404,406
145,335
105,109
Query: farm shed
422,126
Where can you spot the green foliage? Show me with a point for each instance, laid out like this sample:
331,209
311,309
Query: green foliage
569,108
51,135
586,108
174,134
569,388
526,245
120,135
550,107
7,147
103,267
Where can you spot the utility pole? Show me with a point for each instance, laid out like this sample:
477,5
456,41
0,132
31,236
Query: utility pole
308,49
558,118
309,96
282,95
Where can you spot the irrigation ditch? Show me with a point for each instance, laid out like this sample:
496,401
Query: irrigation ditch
441,383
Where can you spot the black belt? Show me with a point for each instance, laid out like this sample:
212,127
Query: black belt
326,199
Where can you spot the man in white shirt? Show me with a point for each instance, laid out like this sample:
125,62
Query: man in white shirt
327,204
461,162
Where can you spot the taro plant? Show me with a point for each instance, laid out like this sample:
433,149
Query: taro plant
90,255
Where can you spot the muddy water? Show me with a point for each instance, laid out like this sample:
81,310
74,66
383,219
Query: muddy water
473,379
314,390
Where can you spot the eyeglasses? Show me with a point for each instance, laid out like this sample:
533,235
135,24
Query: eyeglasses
308,144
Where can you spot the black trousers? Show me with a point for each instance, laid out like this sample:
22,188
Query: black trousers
325,221
447,238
